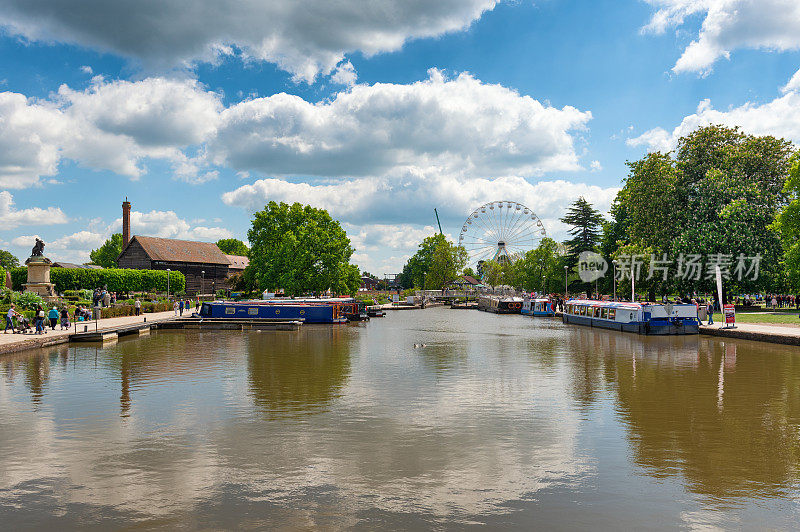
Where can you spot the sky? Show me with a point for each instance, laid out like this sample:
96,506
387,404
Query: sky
200,111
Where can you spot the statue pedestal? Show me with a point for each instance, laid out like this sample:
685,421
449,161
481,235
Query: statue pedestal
39,278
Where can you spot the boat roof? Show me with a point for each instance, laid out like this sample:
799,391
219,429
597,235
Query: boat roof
622,304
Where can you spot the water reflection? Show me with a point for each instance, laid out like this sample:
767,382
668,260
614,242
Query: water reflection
297,373
499,420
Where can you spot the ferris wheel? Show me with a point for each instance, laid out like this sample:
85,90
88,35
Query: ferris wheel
502,231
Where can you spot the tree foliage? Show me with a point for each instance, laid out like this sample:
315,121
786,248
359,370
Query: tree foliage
436,263
539,270
787,224
300,249
8,260
233,246
586,231
106,255
716,195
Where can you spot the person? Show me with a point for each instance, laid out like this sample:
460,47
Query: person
53,316
77,315
39,322
180,306
10,319
64,318
106,298
137,305
175,307
197,304
710,311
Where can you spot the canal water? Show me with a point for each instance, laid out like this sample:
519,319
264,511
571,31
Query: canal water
505,421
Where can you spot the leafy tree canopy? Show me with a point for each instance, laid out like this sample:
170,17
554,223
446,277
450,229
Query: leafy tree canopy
587,224
106,255
300,249
8,260
436,263
232,246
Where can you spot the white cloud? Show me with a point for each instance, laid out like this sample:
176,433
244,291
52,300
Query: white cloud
595,166
304,37
345,74
167,224
780,118
412,196
86,69
11,218
110,126
728,25
25,240
458,123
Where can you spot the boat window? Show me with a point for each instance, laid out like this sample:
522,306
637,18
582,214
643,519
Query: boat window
583,311
612,313
253,311
604,313
597,311
230,310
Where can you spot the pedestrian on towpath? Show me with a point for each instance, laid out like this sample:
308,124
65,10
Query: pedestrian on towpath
64,318
39,320
10,315
53,317
710,311
180,306
138,306
175,307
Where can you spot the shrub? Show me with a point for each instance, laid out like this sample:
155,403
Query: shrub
116,279
28,300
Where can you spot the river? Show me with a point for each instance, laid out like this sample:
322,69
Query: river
505,421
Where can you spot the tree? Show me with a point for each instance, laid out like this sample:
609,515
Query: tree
300,249
232,246
787,224
469,271
106,255
586,233
8,260
540,270
447,261
416,269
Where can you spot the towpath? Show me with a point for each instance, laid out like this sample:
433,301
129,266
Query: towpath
11,343
774,333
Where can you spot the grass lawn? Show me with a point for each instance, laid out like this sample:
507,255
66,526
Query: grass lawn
762,317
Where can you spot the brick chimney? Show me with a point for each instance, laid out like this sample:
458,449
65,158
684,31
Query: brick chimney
126,222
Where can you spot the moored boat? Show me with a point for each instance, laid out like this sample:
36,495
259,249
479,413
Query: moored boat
500,304
305,312
641,318
538,306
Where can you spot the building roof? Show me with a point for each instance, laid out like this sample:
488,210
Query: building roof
238,262
471,280
171,250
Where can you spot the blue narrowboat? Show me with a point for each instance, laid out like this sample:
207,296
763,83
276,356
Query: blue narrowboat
307,312
538,307
641,318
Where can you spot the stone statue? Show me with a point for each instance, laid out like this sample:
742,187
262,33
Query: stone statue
38,248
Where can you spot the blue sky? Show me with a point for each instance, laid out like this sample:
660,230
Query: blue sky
199,115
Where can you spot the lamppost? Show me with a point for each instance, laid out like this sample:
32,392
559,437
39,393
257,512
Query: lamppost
168,270
614,262
566,293
202,281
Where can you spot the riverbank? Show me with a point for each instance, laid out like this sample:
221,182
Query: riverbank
775,333
13,343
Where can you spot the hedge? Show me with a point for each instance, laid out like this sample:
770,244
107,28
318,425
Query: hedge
117,280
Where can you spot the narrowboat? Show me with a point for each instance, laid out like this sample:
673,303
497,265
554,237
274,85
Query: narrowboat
538,307
500,304
640,318
306,312
375,312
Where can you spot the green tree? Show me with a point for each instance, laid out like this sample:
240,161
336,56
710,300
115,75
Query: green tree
541,269
106,255
300,249
587,224
8,260
446,262
232,246
416,269
787,224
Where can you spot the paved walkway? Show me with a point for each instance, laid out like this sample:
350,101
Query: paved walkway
760,332
10,343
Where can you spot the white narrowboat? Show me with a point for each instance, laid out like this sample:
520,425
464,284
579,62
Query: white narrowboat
532,306
641,318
